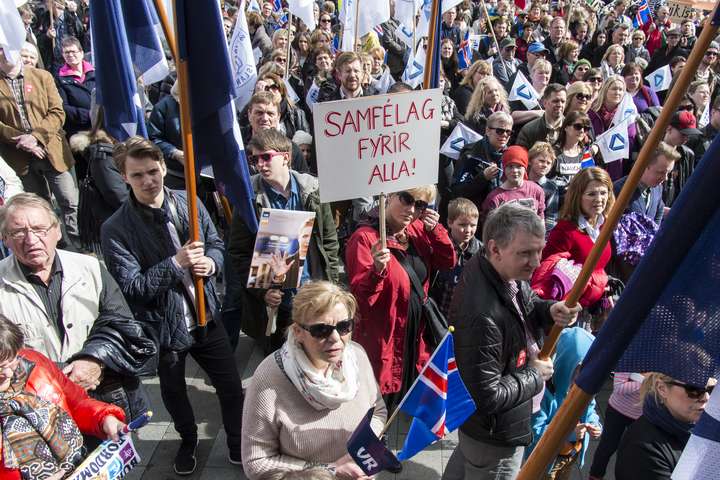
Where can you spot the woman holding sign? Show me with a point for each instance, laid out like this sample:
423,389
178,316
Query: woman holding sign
391,327
43,413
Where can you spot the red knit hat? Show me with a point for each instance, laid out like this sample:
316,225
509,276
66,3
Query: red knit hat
515,154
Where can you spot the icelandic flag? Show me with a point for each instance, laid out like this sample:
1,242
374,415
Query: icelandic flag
668,318
660,79
587,159
464,53
614,144
216,134
626,109
243,62
523,90
700,458
460,136
438,400
115,87
368,451
642,16
254,6
12,31
142,27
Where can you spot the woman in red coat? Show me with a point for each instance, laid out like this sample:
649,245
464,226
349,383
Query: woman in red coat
588,200
44,414
391,328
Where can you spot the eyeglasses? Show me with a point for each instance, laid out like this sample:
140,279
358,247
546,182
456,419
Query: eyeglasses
323,330
500,131
40,232
580,127
696,393
583,96
264,157
273,87
407,200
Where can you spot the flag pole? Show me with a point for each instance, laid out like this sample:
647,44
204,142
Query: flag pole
357,25
167,28
492,32
578,400
381,225
189,153
451,329
430,52
289,46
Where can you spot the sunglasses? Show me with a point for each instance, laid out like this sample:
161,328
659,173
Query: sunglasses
692,391
595,79
273,87
580,127
688,108
711,54
501,131
325,20
323,330
583,96
264,157
407,200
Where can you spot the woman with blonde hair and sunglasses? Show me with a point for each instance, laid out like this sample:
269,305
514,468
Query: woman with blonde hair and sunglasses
651,446
393,283
305,400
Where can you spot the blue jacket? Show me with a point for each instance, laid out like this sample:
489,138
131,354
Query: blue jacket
138,253
655,208
571,349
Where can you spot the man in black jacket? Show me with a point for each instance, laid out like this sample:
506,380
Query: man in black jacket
146,248
499,325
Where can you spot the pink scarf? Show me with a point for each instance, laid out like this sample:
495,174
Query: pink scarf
67,71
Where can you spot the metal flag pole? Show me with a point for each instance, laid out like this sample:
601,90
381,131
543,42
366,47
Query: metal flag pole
492,32
289,46
577,400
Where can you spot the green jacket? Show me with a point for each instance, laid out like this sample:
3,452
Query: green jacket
322,255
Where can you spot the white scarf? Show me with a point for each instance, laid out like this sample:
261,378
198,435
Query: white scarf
322,390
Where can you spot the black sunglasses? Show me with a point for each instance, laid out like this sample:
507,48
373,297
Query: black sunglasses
580,127
324,330
582,96
273,87
501,131
325,20
688,108
407,200
711,54
692,391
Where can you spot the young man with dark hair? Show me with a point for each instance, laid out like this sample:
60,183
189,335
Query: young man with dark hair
547,127
147,249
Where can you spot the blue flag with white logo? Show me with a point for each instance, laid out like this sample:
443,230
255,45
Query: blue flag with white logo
668,317
368,451
438,401
115,84
143,33
216,134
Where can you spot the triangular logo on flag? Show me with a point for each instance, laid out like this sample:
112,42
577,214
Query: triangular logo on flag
626,110
614,144
524,91
460,136
660,79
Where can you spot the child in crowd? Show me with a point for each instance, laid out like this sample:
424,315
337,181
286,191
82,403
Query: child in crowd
541,158
515,188
462,223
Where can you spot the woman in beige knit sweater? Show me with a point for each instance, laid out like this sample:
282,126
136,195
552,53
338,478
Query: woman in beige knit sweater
305,400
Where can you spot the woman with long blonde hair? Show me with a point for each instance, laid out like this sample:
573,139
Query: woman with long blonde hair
489,97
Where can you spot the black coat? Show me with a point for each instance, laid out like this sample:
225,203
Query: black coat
462,96
164,131
647,452
662,56
77,98
138,251
468,179
491,352
109,182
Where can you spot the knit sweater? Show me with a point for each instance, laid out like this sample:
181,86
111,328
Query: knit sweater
282,432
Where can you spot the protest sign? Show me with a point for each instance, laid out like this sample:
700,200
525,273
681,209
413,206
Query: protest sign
380,144
281,246
680,11
110,461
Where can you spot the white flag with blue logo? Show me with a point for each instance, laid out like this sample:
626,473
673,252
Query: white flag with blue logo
459,137
626,109
404,34
614,144
660,79
405,10
242,61
312,96
304,10
423,25
524,91
448,4
700,458
253,6
383,84
415,69
705,117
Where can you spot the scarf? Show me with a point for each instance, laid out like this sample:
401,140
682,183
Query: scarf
39,438
322,390
660,416
606,116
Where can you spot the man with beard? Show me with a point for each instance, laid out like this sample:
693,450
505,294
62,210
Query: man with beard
547,127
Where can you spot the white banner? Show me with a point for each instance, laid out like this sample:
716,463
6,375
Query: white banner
626,109
12,31
378,144
110,461
242,60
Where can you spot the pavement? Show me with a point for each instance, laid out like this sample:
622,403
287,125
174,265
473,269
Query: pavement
158,441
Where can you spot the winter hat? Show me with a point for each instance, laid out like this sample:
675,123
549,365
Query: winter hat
515,154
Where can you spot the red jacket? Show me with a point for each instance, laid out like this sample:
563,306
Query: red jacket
383,298
49,383
567,237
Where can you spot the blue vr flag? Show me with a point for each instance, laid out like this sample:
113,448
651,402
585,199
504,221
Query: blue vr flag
369,452
141,26
116,88
668,317
438,401
216,134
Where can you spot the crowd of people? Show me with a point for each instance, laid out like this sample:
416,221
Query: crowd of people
98,290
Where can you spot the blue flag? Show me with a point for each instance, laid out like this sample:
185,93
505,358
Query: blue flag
116,87
642,16
142,28
368,451
668,317
216,134
438,401
464,53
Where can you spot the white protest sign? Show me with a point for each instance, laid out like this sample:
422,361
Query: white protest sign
380,144
110,461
